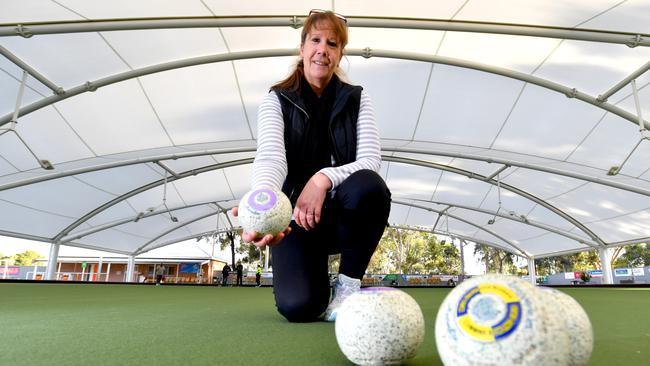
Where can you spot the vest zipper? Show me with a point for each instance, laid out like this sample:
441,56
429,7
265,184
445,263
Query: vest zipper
296,105
335,152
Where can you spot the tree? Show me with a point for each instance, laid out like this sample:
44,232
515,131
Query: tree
402,248
410,251
636,255
496,260
228,239
582,261
252,253
26,258
441,257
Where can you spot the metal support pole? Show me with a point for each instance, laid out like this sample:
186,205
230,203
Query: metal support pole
130,268
640,71
606,265
99,269
108,271
637,103
461,278
52,261
531,270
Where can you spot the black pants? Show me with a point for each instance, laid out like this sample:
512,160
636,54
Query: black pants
352,223
258,277
240,279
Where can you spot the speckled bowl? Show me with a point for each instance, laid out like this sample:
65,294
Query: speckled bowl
499,320
576,325
379,326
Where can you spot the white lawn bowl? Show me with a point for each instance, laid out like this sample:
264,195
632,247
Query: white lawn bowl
265,211
576,325
499,320
379,326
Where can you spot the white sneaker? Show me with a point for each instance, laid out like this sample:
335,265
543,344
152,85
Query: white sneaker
344,287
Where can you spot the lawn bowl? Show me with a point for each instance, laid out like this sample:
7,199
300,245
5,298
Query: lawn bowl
265,211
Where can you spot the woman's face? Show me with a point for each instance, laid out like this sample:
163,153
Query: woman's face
321,54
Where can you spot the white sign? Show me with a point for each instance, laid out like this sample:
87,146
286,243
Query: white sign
569,275
637,271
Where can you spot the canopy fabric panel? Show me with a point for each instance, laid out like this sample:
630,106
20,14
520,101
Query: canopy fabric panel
520,125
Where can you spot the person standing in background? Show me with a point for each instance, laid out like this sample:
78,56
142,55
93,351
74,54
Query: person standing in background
240,274
225,272
258,276
160,272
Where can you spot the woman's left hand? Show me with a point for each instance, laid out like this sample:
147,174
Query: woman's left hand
310,202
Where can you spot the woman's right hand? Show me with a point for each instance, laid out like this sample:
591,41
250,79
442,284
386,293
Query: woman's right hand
270,240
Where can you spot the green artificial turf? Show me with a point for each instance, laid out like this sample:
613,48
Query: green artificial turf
56,324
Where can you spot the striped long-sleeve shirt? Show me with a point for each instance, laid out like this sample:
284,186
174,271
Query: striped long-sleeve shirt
270,165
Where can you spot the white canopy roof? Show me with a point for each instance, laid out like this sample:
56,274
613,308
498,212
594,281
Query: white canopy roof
501,121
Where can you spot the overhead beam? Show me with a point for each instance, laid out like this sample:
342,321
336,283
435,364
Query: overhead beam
25,236
519,164
121,163
146,187
508,187
640,71
458,236
136,191
84,233
522,193
629,242
439,152
193,236
507,217
491,232
407,161
31,71
29,29
112,224
176,227
91,86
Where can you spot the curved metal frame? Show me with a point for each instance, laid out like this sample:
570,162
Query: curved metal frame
435,152
133,192
61,236
508,187
90,86
456,236
507,217
93,230
481,228
30,29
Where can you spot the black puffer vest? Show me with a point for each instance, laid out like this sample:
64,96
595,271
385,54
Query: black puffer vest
298,133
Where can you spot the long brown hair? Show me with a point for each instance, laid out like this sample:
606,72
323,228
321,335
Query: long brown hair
294,80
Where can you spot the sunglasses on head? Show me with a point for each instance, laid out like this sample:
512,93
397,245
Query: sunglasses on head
320,11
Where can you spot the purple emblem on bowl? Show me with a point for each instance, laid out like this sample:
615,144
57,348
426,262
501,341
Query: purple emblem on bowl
262,199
